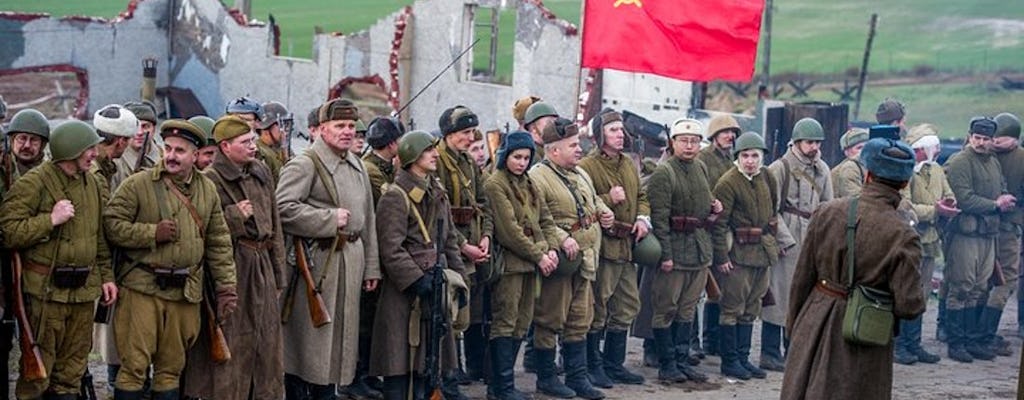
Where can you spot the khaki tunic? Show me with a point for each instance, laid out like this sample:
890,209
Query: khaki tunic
559,296
153,325
976,180
517,209
381,172
747,202
616,295
103,334
820,364
1008,244
810,184
253,332
327,355
61,318
847,178
270,157
126,163
405,255
716,161
927,187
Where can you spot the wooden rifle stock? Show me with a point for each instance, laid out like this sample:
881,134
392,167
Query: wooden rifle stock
997,278
219,351
711,287
317,309
32,367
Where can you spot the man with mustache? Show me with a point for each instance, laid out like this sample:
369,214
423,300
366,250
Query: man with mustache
26,135
805,181
170,224
565,307
246,192
52,217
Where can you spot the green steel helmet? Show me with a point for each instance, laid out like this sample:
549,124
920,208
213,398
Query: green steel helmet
206,123
747,141
412,144
567,267
1007,125
647,252
538,110
70,139
360,128
30,121
808,129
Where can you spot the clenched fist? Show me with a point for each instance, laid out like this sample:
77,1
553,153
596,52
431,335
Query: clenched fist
166,231
62,212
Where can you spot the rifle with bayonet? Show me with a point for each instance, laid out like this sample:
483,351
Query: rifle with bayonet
318,312
436,320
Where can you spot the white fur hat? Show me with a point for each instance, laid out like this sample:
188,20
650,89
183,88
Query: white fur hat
115,120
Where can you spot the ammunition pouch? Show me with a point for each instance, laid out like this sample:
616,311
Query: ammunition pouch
70,277
686,224
169,277
619,230
463,216
977,225
749,235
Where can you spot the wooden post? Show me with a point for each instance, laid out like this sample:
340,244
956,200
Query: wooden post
864,65
766,51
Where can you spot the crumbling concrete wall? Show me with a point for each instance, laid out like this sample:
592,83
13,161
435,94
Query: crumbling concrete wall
220,55
110,51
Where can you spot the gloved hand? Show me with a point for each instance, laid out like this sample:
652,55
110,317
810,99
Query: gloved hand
423,287
227,301
166,231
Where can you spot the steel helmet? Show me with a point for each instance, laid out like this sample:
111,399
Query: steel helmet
1007,125
647,252
538,110
30,121
721,123
71,138
747,141
413,144
273,113
206,123
566,266
808,129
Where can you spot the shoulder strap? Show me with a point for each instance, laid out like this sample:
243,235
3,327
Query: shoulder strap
188,204
851,229
321,172
415,211
784,196
580,214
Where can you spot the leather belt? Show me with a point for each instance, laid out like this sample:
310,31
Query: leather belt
254,244
830,289
35,267
796,211
350,237
584,223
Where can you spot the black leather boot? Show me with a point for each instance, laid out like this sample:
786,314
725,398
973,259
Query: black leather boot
614,358
744,333
502,386
684,335
574,355
956,339
731,367
547,378
666,350
595,365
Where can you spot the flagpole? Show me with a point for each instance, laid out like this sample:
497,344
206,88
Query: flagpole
579,70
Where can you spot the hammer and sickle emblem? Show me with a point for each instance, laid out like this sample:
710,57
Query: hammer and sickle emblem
636,3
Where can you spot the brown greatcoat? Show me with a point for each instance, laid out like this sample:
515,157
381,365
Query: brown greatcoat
327,355
405,255
820,364
253,332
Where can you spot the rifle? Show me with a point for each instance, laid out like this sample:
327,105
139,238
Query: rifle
711,287
143,152
219,351
317,308
436,319
32,367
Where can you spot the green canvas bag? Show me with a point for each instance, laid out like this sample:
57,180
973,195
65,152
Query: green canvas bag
868,319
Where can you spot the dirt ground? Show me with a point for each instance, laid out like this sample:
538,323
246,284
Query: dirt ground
946,380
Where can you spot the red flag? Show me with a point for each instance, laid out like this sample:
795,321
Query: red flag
695,40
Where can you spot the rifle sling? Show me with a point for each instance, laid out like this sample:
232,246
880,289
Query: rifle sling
321,172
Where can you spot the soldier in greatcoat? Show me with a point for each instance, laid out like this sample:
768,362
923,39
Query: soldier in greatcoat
324,198
822,364
417,241
805,181
246,190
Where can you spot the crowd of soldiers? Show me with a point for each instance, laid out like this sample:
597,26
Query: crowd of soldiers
319,270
